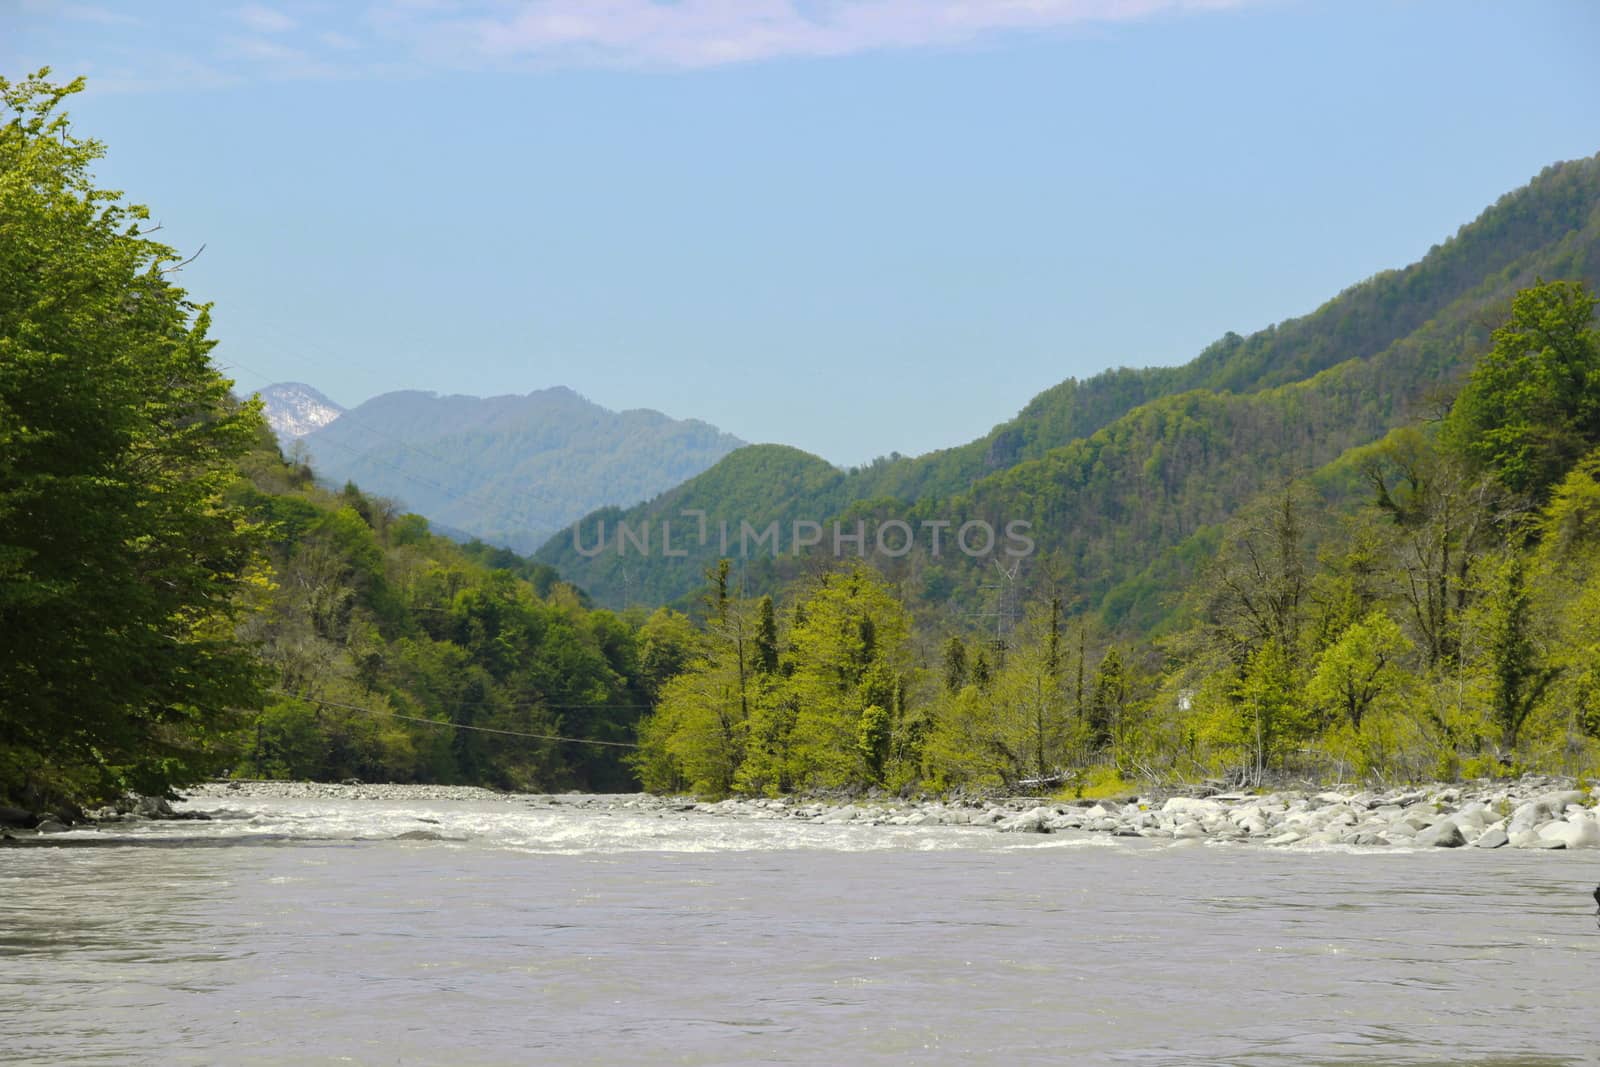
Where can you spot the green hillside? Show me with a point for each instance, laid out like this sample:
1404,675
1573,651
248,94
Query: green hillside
1118,471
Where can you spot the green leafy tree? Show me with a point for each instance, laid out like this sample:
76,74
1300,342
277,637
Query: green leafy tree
1110,696
955,664
1532,404
668,642
1270,717
1362,668
766,640
849,653
1522,670
1442,520
121,565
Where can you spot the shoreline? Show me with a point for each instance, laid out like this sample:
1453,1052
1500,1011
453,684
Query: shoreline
1532,812
1528,813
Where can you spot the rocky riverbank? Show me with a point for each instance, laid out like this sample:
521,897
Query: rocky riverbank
1541,813
1538,813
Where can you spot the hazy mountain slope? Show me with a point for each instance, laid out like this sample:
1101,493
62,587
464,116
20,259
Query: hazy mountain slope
1189,444
511,469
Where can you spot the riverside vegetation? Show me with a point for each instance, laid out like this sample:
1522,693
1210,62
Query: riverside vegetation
1264,565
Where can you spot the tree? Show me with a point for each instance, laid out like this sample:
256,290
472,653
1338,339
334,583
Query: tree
1029,718
850,653
1442,515
1110,694
1521,671
1360,668
1266,697
1255,587
1532,404
120,564
766,650
955,664
667,644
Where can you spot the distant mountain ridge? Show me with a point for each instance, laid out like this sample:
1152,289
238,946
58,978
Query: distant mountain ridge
512,469
294,409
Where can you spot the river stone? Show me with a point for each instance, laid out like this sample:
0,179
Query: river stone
1530,815
1442,834
51,825
1580,832
1034,821
1288,837
153,807
18,818
1198,809
1491,838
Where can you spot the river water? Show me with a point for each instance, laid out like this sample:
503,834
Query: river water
300,931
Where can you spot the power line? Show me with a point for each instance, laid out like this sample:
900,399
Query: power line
515,704
456,725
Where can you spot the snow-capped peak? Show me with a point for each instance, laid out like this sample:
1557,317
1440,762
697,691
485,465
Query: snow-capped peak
294,409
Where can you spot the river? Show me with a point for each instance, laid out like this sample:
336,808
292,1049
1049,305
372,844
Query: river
300,931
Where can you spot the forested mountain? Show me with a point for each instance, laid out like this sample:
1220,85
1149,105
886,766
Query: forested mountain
1118,473
510,469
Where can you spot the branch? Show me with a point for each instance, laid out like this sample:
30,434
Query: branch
175,269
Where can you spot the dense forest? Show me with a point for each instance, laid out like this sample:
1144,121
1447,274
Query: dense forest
1364,544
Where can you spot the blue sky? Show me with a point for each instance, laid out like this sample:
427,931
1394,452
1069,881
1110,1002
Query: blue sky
854,226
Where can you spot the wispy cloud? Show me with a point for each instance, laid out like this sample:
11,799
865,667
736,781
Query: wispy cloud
91,13
263,19
708,33
297,39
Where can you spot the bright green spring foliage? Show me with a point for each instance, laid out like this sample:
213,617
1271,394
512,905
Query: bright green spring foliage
121,567
820,703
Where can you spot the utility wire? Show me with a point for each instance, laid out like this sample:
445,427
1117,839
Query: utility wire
456,725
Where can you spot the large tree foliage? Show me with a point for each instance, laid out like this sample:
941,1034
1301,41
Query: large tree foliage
1532,405
120,567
